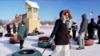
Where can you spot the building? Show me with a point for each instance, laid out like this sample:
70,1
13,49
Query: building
31,16
33,21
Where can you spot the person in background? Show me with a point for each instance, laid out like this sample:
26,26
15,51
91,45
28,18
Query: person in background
14,28
22,32
91,28
98,29
8,29
36,31
82,32
74,29
60,32
1,30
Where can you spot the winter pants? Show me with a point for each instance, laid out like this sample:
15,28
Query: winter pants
81,39
21,43
74,34
61,50
99,35
91,34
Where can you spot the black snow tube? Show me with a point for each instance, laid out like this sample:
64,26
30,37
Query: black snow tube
27,52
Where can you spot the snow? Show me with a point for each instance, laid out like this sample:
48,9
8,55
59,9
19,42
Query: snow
32,4
6,49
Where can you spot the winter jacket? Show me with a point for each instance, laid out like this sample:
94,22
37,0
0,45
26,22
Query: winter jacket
98,25
60,32
14,28
8,29
22,31
84,24
91,27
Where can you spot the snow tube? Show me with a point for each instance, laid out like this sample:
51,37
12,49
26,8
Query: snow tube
44,38
44,44
89,42
32,34
41,32
27,52
13,41
8,35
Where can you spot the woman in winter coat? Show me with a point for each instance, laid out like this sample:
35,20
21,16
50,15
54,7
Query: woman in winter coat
22,32
60,32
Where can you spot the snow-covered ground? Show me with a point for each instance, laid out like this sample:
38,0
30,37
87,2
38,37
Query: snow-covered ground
7,49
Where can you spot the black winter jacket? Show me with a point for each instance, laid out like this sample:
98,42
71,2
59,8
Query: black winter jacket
60,32
98,25
91,27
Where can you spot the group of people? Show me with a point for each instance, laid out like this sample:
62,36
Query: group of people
61,30
10,27
88,28
63,27
21,30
